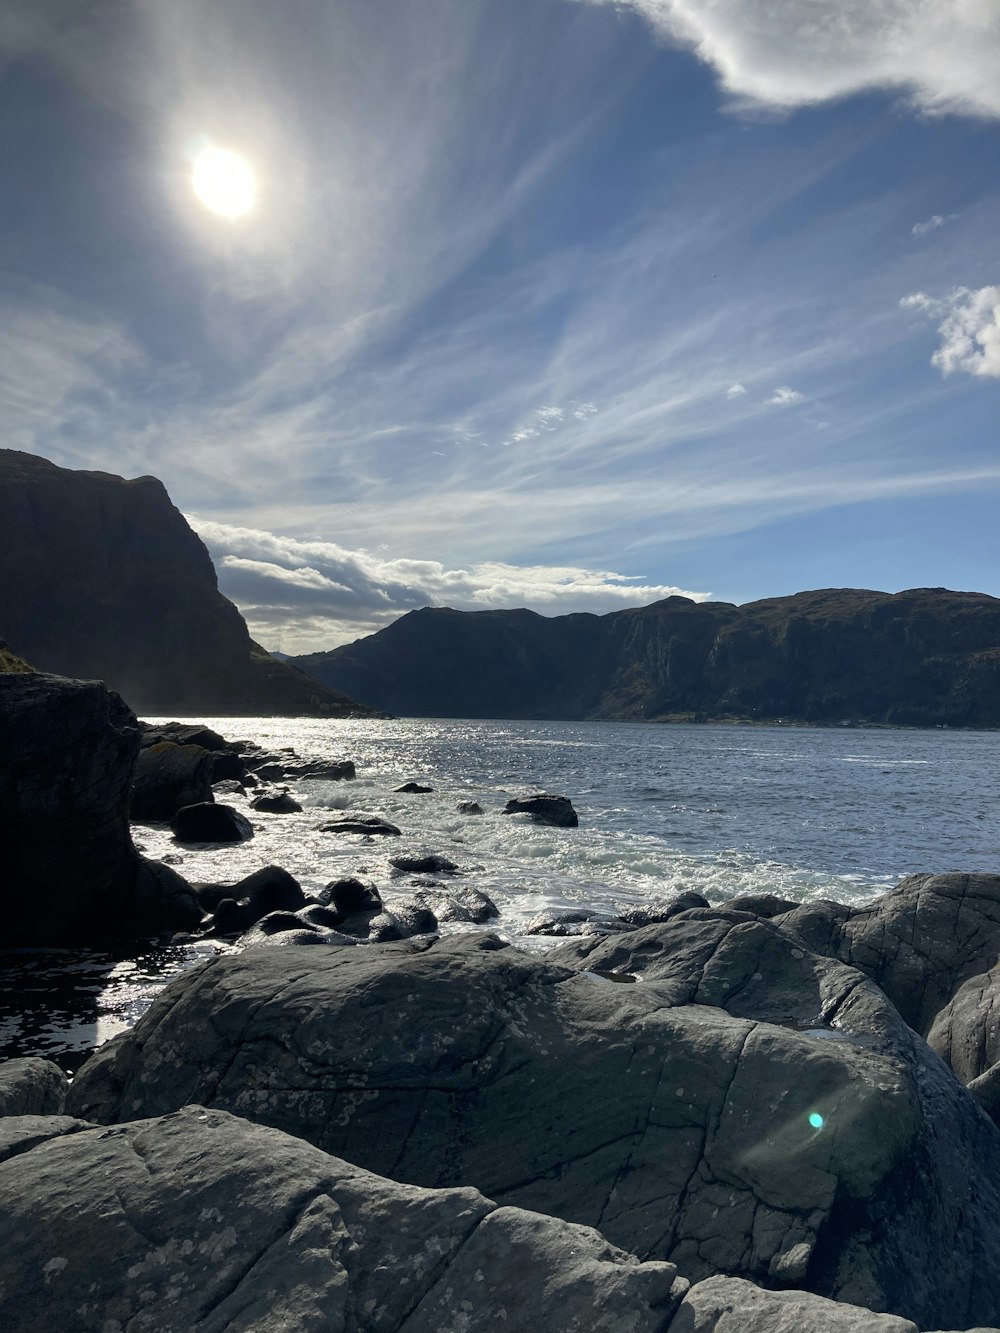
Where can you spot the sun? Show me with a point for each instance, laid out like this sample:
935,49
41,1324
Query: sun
224,182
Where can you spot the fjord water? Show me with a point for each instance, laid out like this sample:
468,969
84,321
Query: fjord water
837,813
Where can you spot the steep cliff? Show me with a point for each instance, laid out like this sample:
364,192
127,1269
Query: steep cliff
102,578
924,657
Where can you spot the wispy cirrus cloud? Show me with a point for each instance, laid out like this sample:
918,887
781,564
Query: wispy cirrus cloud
944,54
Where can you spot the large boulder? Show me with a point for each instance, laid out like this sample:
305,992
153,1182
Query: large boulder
919,943
71,873
750,1108
168,776
202,1222
32,1086
206,822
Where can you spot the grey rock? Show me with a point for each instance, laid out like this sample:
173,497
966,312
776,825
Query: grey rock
634,918
169,776
727,1305
677,1115
21,1133
210,823
469,808
569,922
413,789
217,1224
761,904
544,809
458,904
32,1086
966,1032
228,787
919,943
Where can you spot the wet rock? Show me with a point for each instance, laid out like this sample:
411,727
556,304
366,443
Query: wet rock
238,906
32,1086
168,777
463,904
565,923
271,768
324,917
430,864
368,825
217,1223
210,823
544,809
752,1108
181,733
469,808
634,918
279,803
413,788
228,787
347,896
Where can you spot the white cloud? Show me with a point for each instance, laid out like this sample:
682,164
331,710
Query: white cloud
785,53
970,329
736,391
933,223
785,397
970,334
305,596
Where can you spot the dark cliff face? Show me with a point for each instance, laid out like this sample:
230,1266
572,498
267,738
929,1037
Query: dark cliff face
924,657
102,578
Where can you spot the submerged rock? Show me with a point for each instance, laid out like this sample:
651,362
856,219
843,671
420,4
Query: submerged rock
469,808
369,825
544,809
413,789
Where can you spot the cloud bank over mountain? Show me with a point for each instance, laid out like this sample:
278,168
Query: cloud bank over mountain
304,596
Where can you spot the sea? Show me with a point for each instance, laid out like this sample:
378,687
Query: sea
834,812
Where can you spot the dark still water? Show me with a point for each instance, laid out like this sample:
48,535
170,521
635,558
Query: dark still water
724,810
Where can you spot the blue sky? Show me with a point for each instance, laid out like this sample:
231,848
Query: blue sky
559,303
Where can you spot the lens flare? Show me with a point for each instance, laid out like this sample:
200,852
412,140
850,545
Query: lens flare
224,182
816,1120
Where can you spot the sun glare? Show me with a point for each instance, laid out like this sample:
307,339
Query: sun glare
224,182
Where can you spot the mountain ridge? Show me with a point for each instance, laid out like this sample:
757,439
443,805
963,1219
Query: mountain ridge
921,657
102,578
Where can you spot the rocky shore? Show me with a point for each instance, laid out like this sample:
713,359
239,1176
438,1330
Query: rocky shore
759,1117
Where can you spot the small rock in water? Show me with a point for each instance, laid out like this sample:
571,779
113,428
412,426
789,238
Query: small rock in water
277,803
347,896
210,823
431,864
413,788
544,809
370,825
564,923
470,808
